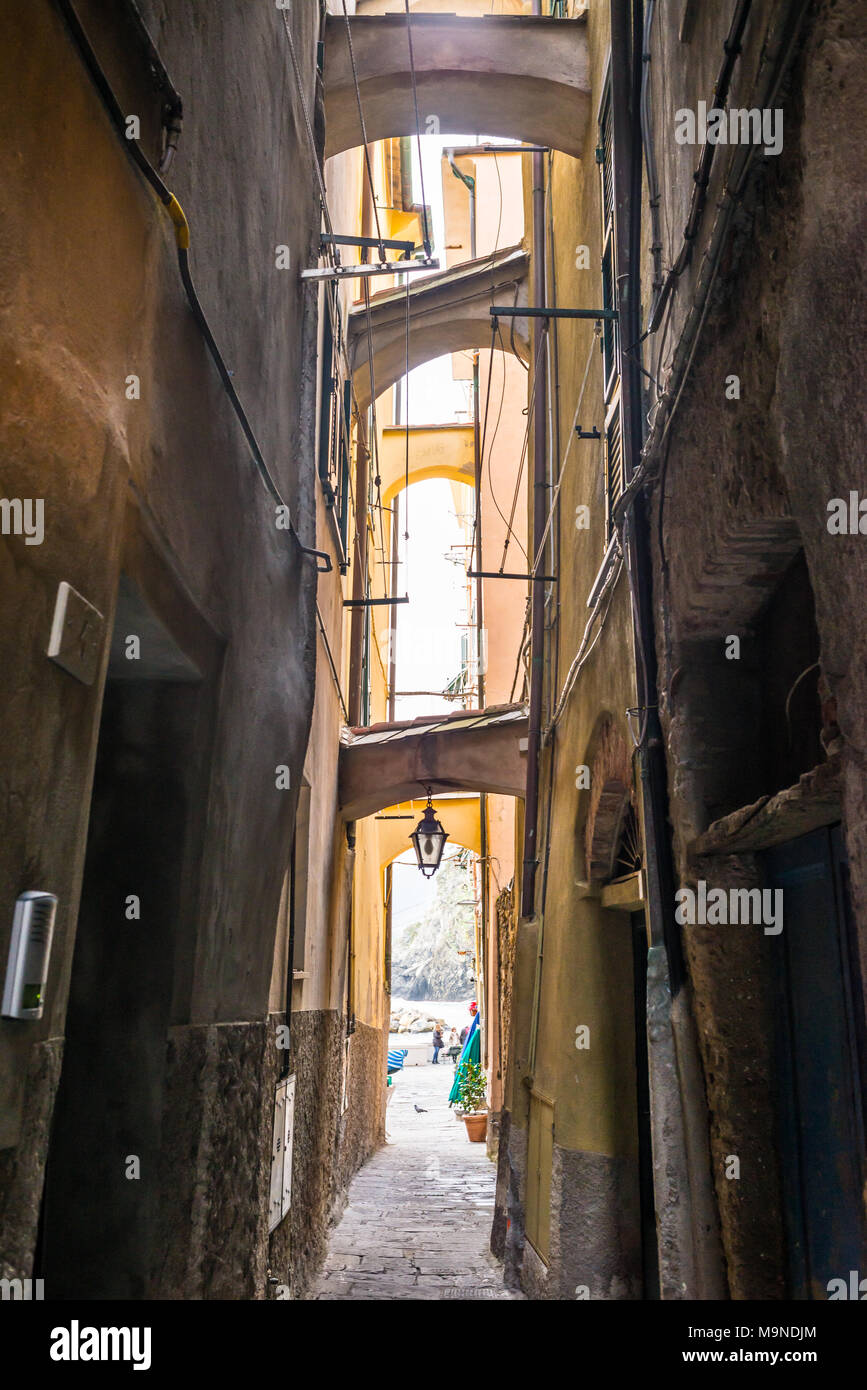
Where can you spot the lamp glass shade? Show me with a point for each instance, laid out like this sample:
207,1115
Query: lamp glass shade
429,841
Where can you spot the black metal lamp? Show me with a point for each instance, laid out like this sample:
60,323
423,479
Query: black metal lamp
429,840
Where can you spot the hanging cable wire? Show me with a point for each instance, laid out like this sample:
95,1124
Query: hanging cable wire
406,409
478,506
182,237
377,477
330,250
334,676
427,240
361,122
287,25
511,534
584,650
556,494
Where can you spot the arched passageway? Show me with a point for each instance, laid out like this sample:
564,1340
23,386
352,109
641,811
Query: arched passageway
448,312
465,751
519,76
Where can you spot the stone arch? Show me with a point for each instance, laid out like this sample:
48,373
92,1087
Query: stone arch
436,451
524,77
610,798
449,312
466,751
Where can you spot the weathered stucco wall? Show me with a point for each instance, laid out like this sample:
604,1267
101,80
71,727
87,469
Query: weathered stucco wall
91,299
586,973
748,481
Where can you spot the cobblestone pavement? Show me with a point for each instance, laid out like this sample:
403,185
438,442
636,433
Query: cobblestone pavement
418,1220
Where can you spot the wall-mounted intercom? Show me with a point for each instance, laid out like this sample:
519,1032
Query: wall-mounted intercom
29,950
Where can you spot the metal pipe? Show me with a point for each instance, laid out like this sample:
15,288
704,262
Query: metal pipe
731,50
489,148
505,311
537,610
650,156
359,582
625,104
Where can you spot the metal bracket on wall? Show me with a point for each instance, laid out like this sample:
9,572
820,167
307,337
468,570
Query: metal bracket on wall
496,574
353,272
373,602
333,239
507,312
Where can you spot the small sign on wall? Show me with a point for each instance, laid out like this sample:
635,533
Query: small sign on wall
77,629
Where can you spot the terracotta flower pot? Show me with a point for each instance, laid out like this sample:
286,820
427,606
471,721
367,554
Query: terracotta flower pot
477,1127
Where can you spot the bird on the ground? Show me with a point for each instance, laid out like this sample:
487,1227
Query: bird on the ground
420,1110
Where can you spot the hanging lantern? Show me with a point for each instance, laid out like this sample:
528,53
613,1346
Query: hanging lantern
429,840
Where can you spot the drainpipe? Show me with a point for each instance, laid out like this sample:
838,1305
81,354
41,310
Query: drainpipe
625,105
359,583
626,49
537,624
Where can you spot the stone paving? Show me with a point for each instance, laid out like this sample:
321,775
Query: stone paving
418,1220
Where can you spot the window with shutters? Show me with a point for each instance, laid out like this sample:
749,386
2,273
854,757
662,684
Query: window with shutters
334,420
613,463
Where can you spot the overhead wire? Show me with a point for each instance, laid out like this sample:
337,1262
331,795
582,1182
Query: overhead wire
182,238
510,533
363,126
572,435
427,240
333,254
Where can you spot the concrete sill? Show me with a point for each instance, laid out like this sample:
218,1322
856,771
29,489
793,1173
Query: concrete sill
815,800
625,894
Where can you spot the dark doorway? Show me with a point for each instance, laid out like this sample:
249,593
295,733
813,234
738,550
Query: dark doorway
820,1042
102,1175
649,1247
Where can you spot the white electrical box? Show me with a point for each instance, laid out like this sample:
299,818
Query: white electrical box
281,1151
29,952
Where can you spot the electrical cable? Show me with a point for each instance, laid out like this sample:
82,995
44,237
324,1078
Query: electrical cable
484,435
182,237
331,251
583,653
377,478
406,408
363,126
335,677
427,240
572,435
521,648
511,534
311,139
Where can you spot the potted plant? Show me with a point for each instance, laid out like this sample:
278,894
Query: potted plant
471,1099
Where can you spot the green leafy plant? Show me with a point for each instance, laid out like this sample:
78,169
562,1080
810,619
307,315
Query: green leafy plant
472,1088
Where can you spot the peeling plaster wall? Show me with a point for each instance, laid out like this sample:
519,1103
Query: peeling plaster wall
92,294
746,482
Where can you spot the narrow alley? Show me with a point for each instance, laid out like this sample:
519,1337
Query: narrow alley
433,548
418,1218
